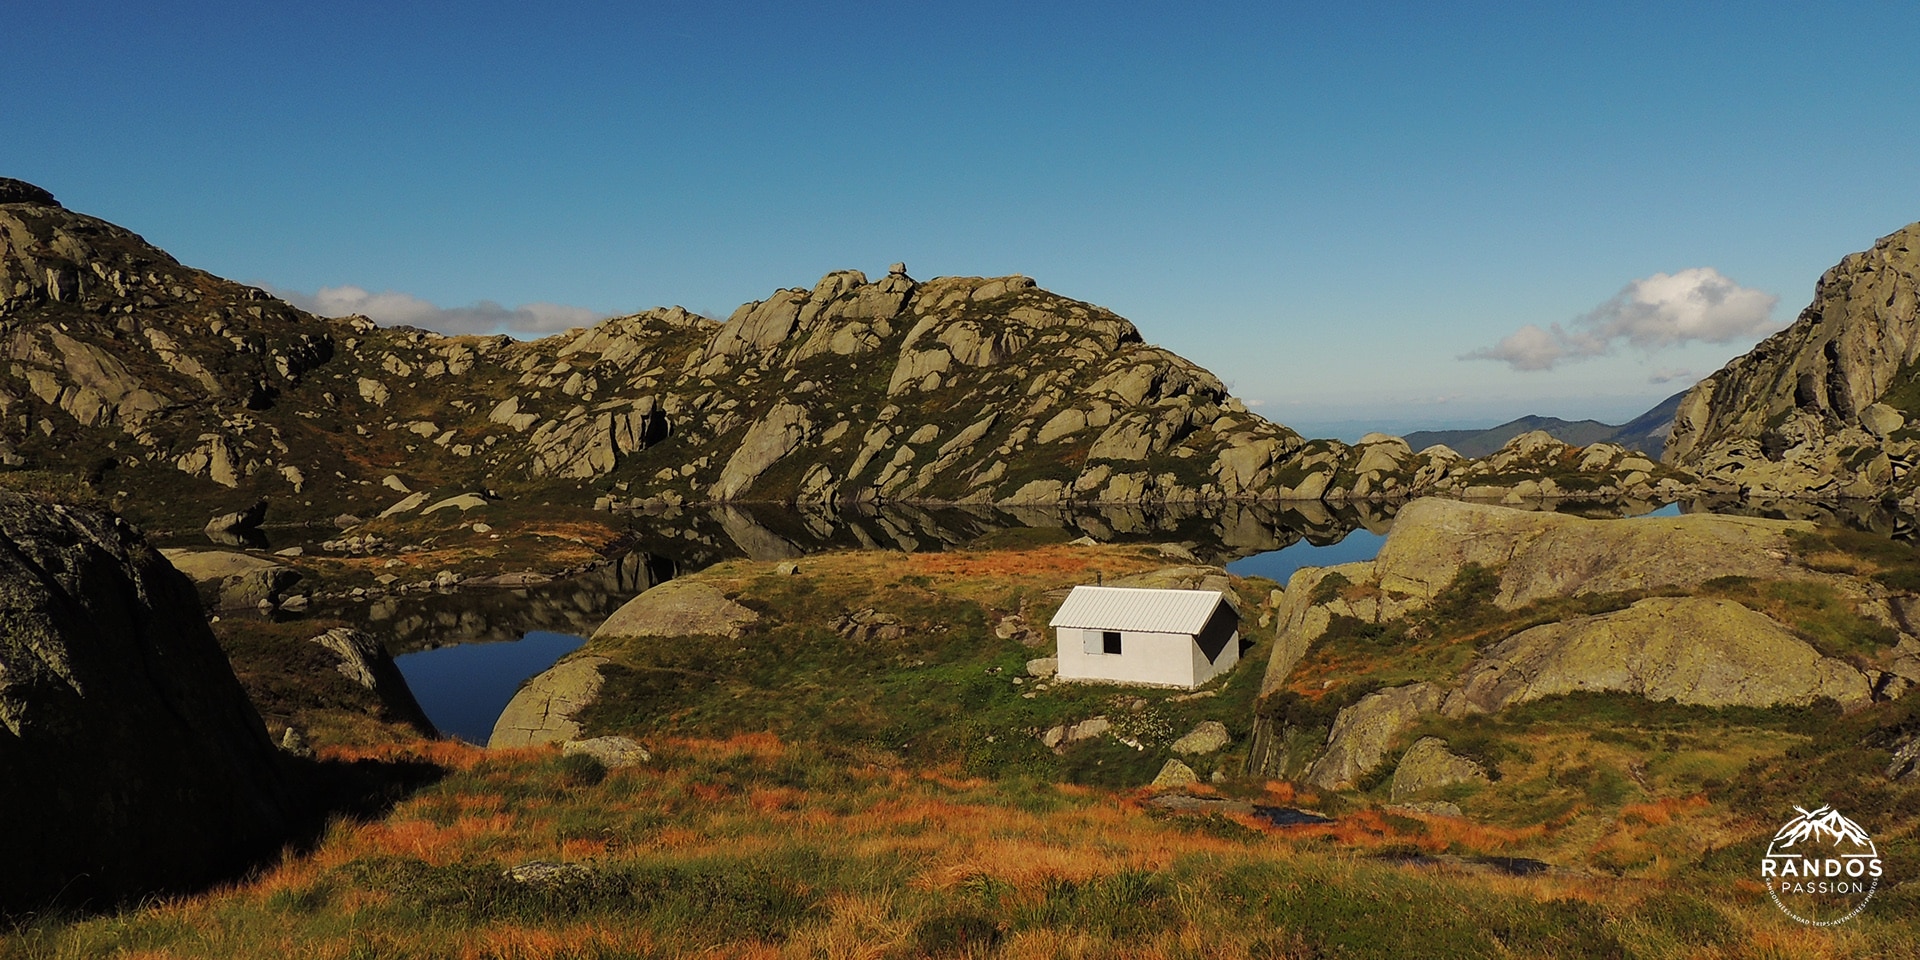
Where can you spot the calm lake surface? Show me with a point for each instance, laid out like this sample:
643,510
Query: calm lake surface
1278,565
463,688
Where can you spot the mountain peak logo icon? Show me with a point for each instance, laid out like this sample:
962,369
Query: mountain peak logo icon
1822,823
1821,868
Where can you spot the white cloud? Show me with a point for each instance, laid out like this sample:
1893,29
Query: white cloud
1651,313
1670,374
393,307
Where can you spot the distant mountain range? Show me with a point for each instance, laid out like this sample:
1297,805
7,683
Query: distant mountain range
1646,432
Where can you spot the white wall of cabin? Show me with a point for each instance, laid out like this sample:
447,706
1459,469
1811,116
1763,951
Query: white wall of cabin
1158,659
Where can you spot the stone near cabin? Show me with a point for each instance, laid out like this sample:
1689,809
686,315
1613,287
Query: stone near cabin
1043,667
1209,736
1174,774
133,760
1429,765
1364,732
1057,738
1544,555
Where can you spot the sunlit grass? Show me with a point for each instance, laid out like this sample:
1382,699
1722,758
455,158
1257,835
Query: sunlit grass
754,847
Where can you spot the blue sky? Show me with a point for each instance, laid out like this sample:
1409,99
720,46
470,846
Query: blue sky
1328,205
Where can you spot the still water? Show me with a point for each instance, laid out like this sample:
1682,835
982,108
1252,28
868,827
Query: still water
463,688
1278,565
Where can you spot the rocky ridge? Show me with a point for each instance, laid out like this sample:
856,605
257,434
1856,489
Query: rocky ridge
181,395
1820,409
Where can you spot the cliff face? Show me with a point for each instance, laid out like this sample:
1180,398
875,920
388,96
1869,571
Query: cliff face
133,759
1821,407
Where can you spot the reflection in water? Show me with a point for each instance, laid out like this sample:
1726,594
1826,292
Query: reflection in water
464,688
1215,532
1279,565
576,605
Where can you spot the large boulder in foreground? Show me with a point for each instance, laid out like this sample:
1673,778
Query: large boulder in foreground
1711,653
132,759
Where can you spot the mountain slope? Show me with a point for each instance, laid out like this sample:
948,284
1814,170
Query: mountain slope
1646,433
1820,408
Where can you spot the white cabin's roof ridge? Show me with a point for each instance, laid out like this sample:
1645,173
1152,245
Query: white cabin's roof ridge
1146,609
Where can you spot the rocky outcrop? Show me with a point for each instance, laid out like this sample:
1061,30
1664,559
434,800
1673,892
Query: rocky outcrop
133,759
1535,555
199,394
361,659
1541,554
233,581
543,710
1713,653
1819,409
1364,733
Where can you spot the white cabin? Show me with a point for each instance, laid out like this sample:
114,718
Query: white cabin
1162,638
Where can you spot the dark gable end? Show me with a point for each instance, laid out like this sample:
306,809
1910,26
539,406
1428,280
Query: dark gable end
1220,629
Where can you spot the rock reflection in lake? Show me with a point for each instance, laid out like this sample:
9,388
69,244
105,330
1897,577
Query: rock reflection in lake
1214,532
576,605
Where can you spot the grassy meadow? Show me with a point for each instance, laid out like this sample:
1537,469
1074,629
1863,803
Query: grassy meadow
753,847
818,791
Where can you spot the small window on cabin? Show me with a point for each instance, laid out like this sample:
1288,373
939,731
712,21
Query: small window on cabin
1110,641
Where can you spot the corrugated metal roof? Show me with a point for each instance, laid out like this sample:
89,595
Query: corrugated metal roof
1137,608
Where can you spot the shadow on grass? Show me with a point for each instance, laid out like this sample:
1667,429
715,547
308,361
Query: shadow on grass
326,791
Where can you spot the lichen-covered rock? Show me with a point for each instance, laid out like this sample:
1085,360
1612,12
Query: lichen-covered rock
613,752
133,760
1542,554
1364,733
543,710
233,581
1174,774
1209,736
1429,765
1690,650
